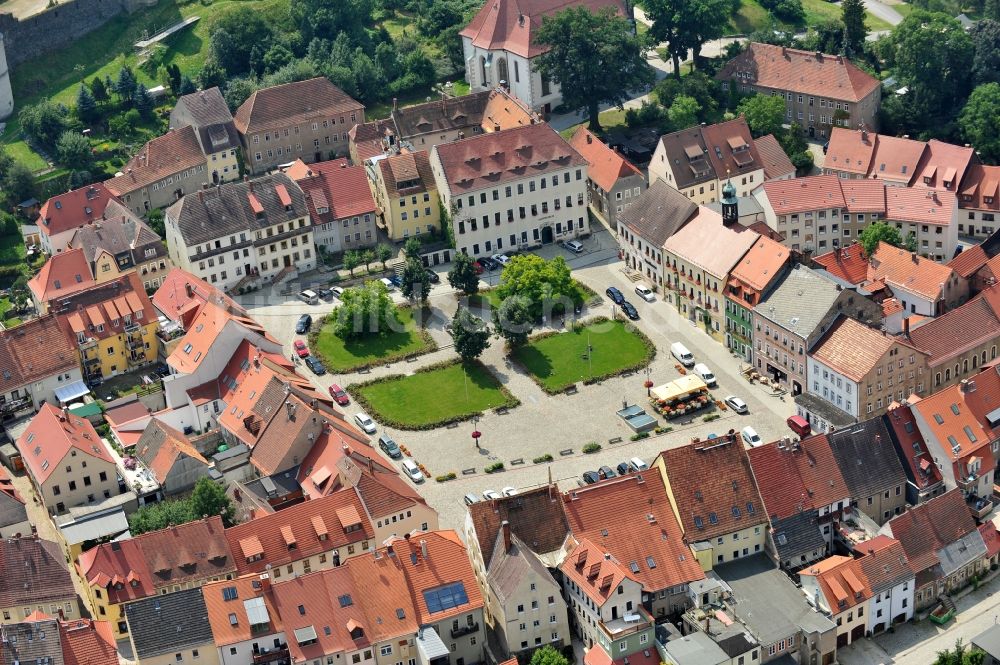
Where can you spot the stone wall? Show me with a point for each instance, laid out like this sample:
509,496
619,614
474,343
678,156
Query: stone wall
59,26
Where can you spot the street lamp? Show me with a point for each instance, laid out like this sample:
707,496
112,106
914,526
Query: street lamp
648,383
475,430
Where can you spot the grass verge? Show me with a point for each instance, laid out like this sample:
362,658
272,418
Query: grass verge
349,355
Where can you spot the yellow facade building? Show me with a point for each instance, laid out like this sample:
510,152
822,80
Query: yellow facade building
405,193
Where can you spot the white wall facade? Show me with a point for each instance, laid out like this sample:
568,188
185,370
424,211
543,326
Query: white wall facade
525,83
884,606
242,653
834,387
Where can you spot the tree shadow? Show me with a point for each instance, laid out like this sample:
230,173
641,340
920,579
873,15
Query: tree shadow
534,361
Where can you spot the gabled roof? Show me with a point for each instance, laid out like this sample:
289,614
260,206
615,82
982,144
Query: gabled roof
32,351
12,510
536,516
631,518
606,165
894,158
334,189
867,459
919,206
511,566
962,418
367,137
772,155
168,623
597,573
448,565
441,115
841,581
969,261
88,642
884,564
240,608
847,263
785,306
205,107
33,572
293,104
713,488
316,526
862,196
119,231
182,294
407,173
960,329
942,166
762,263
204,330
101,311
706,153
50,437
981,187
797,477
798,535
805,72
926,529
494,158
504,111
900,268
803,194
74,208
164,156
911,447
658,213
63,274
729,243
507,25
851,150
852,349
161,446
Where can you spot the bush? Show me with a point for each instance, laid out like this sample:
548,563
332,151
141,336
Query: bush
710,417
591,447
451,475
542,459
494,468
663,430
639,436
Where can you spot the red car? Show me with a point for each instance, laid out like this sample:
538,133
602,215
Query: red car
338,395
479,267
300,348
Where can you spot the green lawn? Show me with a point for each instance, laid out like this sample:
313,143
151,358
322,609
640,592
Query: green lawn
752,17
12,249
432,397
340,355
559,361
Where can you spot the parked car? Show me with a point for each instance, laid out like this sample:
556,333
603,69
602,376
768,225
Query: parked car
479,267
638,464
615,295
365,422
489,263
590,477
388,283
303,325
337,291
300,348
470,499
501,259
389,447
413,471
325,294
624,468
339,395
799,425
508,491
750,437
394,281
490,495
702,371
645,293
313,363
736,404
309,297
574,246
606,472
433,277
630,311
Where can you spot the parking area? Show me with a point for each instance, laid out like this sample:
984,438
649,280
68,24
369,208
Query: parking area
554,425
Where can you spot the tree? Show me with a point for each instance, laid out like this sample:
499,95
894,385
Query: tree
187,86
123,124
594,57
352,259
74,152
512,321
98,89
470,334
985,36
86,105
43,122
238,90
364,310
125,85
160,516
383,253
852,13
960,655
416,282
548,655
932,55
212,75
545,285
686,25
19,183
367,256
155,221
683,113
462,275
879,232
764,114
142,100
209,498
980,121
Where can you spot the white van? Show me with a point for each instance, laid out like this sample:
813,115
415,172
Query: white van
682,354
310,297
638,464
705,374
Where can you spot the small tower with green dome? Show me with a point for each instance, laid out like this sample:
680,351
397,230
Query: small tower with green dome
730,206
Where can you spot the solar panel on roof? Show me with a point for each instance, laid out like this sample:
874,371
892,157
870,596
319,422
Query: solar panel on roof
445,597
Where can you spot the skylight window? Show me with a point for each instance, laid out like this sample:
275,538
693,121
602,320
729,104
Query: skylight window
736,512
445,597
938,419
187,348
968,433
346,600
229,593
954,409
750,509
698,522
650,562
634,567
713,518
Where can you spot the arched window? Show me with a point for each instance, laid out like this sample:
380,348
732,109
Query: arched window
993,352
482,71
947,375
965,366
984,358
937,379
502,70
975,361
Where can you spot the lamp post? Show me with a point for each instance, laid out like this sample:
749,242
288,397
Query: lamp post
476,434
648,383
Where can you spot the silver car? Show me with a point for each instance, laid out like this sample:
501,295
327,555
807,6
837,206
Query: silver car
413,471
736,404
365,422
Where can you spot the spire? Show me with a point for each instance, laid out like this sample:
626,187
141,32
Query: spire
730,205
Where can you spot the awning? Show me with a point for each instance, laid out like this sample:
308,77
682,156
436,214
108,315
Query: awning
304,635
430,645
72,391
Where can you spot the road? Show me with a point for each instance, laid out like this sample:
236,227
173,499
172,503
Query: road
552,424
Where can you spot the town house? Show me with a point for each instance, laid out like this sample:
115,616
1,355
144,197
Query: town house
614,183
750,280
207,112
924,479
837,587
405,193
645,226
43,584
892,582
37,364
868,462
340,204
63,213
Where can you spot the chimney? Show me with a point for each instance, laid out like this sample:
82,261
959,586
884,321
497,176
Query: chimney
371,466
505,525
423,550
964,385
590,137
906,327
290,408
201,195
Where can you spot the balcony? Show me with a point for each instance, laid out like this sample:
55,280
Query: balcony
87,343
462,631
14,405
631,623
979,506
272,656
132,326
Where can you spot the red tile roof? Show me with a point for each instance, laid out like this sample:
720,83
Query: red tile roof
942,166
606,165
801,194
631,518
924,473
852,348
901,269
294,104
334,189
596,655
928,527
88,642
761,264
34,350
805,72
407,173
847,263
960,329
884,563
895,158
800,478
863,195
841,581
33,571
981,188
991,537
182,294
202,332
711,483
263,535
776,162
226,601
920,206
491,159
99,312
64,273
74,208
851,150
51,436
161,446
508,24
164,156
536,516
967,262
597,575
449,563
